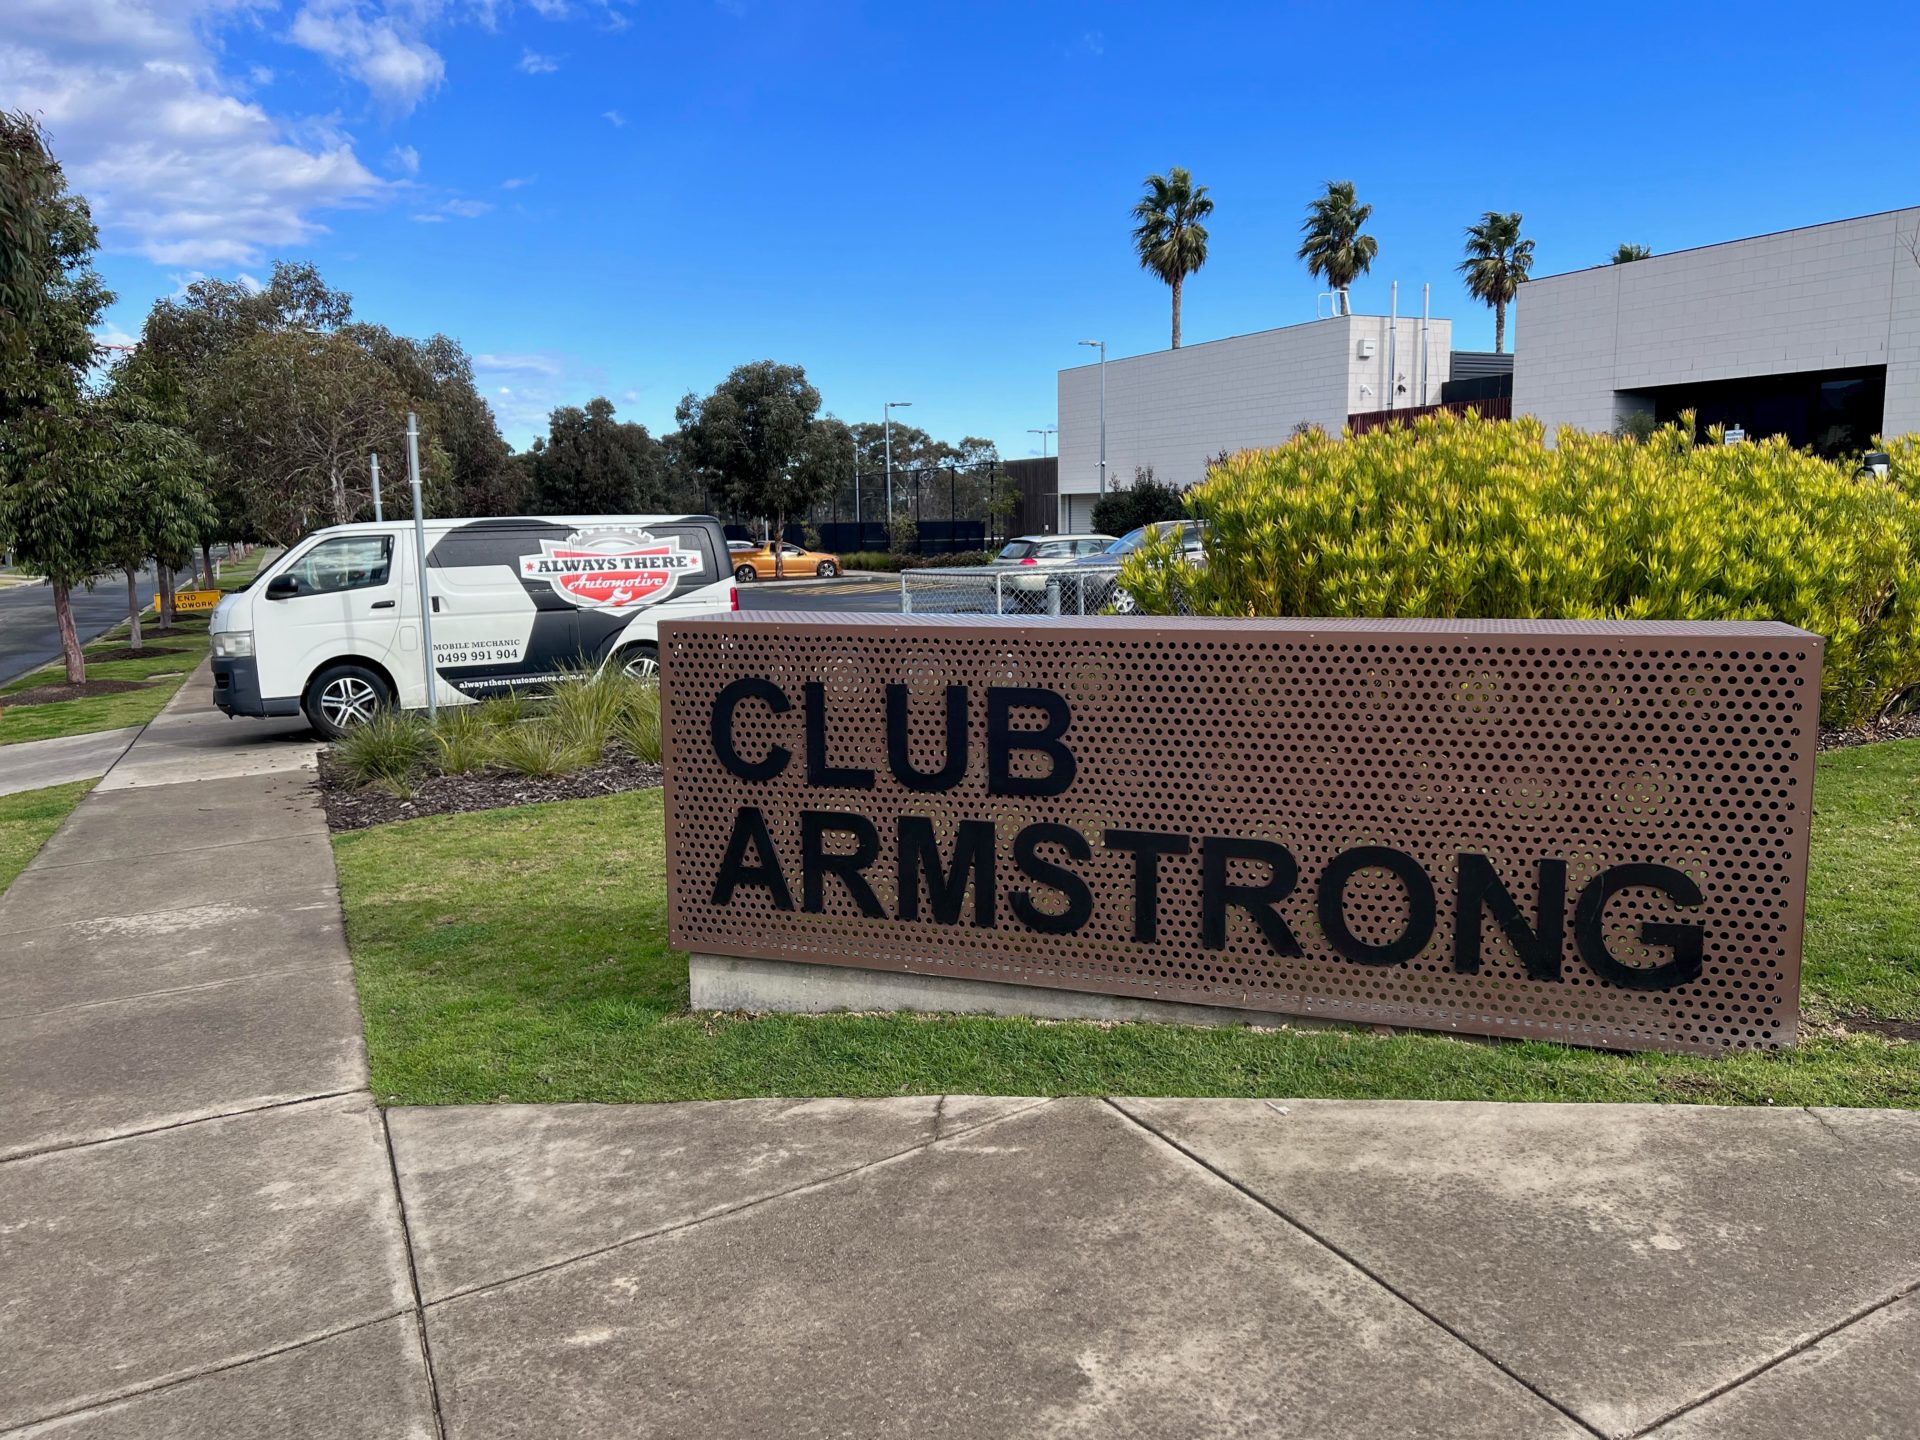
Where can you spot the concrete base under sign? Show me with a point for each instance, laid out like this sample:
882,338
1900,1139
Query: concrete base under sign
724,982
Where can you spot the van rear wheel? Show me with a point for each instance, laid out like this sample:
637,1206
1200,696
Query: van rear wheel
343,696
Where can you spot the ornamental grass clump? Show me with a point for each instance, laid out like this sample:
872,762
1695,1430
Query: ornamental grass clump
387,751
637,726
463,737
1459,517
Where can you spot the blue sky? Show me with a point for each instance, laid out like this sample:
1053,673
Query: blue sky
923,203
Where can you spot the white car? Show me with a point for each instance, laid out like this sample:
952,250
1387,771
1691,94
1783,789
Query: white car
1035,554
333,627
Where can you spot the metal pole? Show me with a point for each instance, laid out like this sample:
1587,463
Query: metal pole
886,424
374,461
1426,336
856,475
1393,346
1103,417
420,559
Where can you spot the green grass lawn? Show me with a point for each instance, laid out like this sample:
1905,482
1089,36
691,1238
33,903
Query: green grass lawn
28,820
522,955
176,653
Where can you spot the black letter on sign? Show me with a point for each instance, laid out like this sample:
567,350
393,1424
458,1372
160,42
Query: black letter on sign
723,708
902,763
1537,944
819,773
750,828
1003,740
920,856
1146,846
1261,901
1589,928
816,863
1333,905
1079,898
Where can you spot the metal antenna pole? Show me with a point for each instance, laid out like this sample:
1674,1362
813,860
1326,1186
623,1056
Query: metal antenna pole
420,559
374,461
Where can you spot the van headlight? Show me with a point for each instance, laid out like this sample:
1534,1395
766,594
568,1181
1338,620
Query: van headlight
233,644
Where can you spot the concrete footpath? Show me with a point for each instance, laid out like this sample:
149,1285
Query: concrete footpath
207,1229
35,764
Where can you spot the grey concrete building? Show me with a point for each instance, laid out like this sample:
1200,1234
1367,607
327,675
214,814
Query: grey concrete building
1174,410
1813,334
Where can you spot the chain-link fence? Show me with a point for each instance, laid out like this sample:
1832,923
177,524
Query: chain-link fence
1014,590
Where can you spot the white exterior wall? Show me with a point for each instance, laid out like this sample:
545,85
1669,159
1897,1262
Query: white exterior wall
1175,410
1828,297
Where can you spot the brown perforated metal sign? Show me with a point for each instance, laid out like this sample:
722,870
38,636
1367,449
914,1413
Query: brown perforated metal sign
1593,832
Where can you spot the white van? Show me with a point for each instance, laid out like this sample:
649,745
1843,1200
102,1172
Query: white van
332,628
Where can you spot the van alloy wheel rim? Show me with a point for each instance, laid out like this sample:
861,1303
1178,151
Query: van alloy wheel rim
643,666
348,701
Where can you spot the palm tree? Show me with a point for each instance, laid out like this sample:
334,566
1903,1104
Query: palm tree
1627,254
1496,266
1170,238
1334,248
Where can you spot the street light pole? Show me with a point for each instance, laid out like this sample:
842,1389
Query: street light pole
1043,433
887,426
1101,345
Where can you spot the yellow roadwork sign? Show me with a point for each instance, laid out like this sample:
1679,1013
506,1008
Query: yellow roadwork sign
193,599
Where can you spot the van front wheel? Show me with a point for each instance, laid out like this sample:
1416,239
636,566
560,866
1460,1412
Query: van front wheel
343,696
642,662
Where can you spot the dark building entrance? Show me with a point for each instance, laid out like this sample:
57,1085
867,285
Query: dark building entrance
1831,412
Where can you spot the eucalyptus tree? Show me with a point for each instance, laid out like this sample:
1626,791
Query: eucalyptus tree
1168,235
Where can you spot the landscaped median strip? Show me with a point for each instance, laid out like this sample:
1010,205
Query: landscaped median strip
521,954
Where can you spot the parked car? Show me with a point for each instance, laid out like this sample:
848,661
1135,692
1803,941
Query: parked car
755,562
1035,554
333,627
1192,535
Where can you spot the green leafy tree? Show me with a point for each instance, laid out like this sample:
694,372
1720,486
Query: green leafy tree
1332,244
162,506
1627,254
58,467
593,464
298,414
61,504
1169,238
29,181
1498,261
752,434
1147,501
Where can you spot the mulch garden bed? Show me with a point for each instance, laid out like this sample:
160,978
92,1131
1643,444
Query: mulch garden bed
143,653
1900,727
49,694
352,808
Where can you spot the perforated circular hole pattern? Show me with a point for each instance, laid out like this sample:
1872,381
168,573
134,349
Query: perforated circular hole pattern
1687,746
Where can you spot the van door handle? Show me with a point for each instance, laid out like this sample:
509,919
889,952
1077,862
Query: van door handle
436,604
381,605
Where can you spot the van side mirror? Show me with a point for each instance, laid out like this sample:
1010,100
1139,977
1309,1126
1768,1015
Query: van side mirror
283,587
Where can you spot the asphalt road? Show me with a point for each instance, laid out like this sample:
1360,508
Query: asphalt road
28,636
854,592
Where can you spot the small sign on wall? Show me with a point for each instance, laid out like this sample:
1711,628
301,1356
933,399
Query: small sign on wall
1593,832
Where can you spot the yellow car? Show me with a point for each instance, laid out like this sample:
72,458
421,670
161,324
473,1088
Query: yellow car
755,562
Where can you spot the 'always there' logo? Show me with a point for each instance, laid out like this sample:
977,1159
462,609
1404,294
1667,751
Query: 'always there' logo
611,569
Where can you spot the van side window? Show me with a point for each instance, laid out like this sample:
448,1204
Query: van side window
353,562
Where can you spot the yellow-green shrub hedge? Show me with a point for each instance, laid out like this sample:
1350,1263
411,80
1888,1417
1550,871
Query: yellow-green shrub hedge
1459,516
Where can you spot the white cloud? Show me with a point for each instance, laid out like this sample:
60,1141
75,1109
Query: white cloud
177,166
427,219
467,209
383,51
534,63
549,366
614,118
405,159
515,182
259,76
549,9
